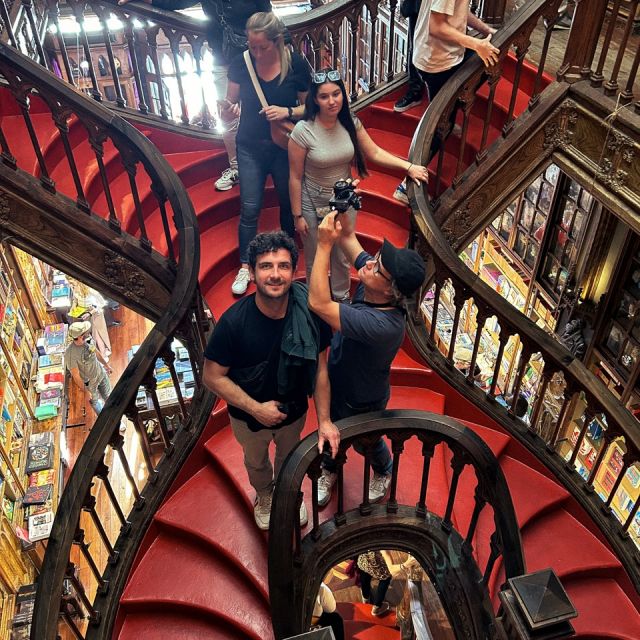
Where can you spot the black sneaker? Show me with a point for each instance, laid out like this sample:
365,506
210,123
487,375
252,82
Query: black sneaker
407,102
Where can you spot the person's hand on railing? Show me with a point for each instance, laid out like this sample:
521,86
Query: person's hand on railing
328,433
418,173
487,52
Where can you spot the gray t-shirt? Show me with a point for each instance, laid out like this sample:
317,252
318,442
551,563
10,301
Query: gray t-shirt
85,360
329,151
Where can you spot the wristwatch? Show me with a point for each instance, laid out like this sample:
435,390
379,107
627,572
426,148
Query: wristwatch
290,110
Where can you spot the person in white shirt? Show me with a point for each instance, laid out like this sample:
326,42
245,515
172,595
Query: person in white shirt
440,47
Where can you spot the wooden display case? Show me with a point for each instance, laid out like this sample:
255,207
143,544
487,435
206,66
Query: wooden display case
23,313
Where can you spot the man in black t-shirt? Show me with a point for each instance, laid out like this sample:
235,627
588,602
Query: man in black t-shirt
369,333
267,354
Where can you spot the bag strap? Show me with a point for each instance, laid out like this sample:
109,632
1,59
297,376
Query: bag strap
254,79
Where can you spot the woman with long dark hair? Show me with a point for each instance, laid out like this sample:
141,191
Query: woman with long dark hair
283,77
323,148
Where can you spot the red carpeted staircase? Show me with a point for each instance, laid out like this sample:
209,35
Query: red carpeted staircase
202,570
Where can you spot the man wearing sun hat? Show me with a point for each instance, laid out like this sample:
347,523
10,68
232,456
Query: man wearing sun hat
87,366
369,333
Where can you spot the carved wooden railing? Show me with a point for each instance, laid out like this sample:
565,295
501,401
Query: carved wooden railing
568,399
159,64
458,562
91,504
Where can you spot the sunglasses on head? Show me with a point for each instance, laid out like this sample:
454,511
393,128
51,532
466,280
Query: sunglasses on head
322,76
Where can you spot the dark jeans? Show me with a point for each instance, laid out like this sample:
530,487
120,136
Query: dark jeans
333,620
415,81
381,591
255,163
381,461
435,82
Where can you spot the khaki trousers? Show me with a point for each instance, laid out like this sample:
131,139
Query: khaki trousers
255,445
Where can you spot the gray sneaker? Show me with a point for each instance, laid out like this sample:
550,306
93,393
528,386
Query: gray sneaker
227,180
325,486
262,510
378,486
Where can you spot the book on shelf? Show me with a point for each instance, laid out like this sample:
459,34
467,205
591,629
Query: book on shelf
40,526
44,437
35,509
41,478
55,338
39,457
51,360
37,494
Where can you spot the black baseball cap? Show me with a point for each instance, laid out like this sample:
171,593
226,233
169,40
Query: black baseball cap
405,266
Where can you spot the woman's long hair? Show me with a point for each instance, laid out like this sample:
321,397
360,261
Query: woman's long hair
274,30
311,110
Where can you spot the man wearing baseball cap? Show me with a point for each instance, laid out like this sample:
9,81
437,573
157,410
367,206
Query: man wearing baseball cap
369,332
87,366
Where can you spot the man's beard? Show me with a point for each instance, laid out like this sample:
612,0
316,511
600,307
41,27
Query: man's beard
263,290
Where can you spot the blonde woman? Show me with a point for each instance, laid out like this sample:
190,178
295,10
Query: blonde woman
284,79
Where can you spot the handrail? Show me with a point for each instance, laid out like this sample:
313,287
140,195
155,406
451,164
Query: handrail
562,380
184,318
296,564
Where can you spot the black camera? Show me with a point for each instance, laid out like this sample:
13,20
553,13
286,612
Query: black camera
344,196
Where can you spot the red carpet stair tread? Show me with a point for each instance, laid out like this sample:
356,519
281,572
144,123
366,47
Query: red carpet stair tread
202,571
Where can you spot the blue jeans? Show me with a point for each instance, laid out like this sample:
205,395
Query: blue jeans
100,392
381,460
255,163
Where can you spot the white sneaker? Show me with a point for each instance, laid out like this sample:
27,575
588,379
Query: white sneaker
304,518
240,284
262,510
227,180
378,486
325,486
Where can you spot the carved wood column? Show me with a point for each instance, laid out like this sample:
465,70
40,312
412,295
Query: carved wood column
588,19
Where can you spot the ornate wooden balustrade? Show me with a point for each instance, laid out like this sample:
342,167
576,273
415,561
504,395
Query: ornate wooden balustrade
90,503
568,399
449,556
158,64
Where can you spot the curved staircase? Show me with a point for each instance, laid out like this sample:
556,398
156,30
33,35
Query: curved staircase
201,571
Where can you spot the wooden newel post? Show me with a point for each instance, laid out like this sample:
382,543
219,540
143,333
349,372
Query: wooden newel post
588,19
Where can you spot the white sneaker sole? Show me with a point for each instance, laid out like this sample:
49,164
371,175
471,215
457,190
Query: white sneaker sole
226,187
411,105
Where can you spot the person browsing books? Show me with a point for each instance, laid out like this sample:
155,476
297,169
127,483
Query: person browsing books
87,366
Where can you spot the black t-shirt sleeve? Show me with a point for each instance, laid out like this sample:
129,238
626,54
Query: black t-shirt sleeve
220,345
